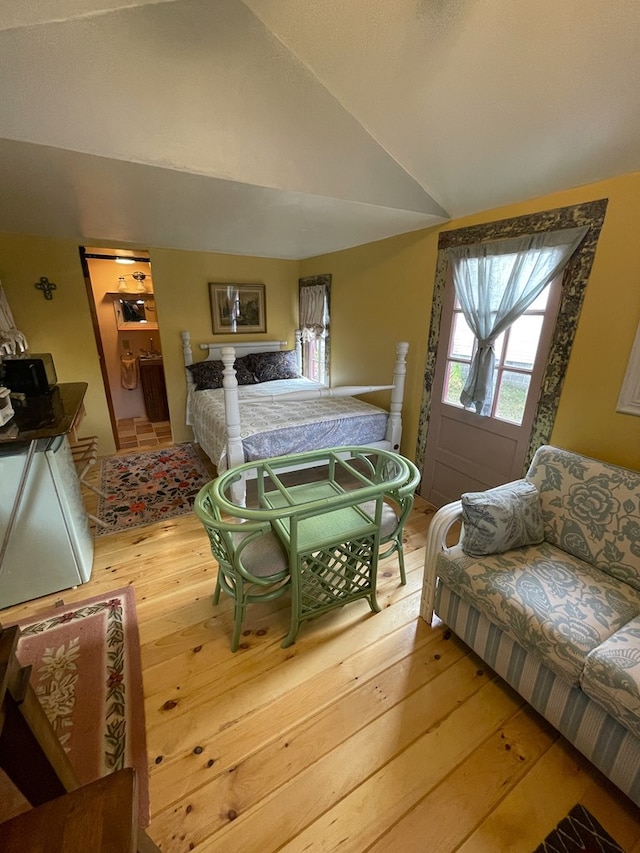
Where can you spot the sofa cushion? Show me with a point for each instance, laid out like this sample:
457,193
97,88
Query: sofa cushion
551,603
590,509
611,675
500,519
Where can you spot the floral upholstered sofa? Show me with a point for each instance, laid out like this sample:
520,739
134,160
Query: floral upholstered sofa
544,585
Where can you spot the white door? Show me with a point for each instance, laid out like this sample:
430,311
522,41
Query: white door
466,451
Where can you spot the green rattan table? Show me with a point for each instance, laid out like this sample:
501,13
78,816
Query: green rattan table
331,538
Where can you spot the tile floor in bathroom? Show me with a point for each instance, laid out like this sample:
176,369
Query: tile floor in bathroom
140,432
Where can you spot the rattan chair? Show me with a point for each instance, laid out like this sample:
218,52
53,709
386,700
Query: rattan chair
329,526
395,511
253,564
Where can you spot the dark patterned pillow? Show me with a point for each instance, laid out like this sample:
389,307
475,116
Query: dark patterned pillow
274,365
208,374
244,371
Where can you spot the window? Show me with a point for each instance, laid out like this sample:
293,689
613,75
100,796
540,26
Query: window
314,360
314,300
515,355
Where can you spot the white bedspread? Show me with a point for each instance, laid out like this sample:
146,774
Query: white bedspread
283,427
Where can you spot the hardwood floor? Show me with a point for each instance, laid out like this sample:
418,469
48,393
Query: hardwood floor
371,733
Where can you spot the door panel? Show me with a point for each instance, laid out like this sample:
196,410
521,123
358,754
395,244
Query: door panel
465,454
469,452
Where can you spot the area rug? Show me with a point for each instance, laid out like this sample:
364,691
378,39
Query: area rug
143,488
579,832
86,672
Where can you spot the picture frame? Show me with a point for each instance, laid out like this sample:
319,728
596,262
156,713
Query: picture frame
237,308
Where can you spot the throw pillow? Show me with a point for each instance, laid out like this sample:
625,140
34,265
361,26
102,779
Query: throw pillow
244,371
499,519
274,365
208,374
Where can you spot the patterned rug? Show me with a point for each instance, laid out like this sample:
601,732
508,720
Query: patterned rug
87,675
142,488
579,832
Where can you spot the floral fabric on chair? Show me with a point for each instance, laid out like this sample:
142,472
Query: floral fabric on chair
591,510
556,606
612,675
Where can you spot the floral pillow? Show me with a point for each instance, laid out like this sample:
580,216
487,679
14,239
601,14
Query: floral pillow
274,365
208,374
499,519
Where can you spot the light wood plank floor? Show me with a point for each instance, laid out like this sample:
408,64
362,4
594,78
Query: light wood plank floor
371,733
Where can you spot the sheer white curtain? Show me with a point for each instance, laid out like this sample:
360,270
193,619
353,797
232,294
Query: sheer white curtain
495,282
12,341
313,311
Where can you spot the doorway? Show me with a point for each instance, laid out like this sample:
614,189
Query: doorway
467,451
510,464
122,303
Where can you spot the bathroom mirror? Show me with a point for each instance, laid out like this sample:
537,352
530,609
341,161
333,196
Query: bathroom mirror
136,312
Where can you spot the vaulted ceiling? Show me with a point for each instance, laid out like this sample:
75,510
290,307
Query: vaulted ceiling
290,128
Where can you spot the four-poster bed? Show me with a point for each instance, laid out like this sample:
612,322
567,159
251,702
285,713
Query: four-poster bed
249,402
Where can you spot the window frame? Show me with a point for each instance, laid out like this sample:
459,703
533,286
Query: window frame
324,344
500,366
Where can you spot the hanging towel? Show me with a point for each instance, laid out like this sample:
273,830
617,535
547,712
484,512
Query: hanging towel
129,371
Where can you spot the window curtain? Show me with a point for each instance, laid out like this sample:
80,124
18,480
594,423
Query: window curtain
12,341
495,282
313,311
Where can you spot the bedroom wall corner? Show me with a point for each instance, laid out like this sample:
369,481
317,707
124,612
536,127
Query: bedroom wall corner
62,325
381,294
587,421
181,288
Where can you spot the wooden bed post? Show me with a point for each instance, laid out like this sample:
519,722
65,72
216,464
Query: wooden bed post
394,426
235,451
187,352
298,334
187,357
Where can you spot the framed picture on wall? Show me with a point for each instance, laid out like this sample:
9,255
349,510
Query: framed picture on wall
237,308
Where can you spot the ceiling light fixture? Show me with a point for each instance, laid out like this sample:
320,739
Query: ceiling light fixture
125,260
139,277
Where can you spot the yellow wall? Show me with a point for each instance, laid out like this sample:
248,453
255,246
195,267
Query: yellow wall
62,325
182,297
382,292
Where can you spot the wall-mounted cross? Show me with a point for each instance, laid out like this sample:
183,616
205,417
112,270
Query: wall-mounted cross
46,286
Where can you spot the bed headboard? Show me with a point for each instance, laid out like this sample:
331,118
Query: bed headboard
247,348
214,350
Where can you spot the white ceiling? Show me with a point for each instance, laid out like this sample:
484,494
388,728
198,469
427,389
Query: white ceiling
290,128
